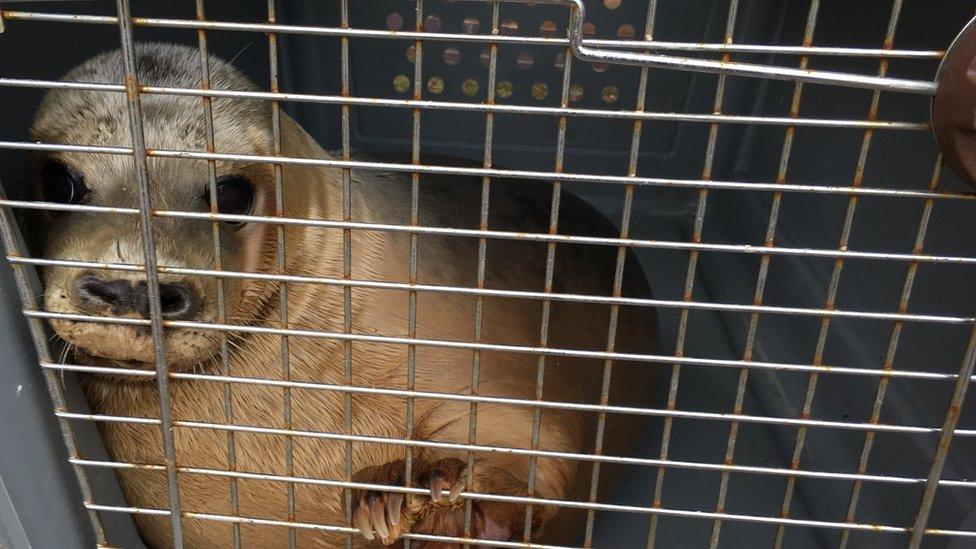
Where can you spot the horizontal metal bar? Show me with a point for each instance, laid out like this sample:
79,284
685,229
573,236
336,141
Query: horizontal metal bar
929,376
496,173
454,446
313,526
619,508
824,475
513,294
651,45
478,107
724,67
511,235
547,351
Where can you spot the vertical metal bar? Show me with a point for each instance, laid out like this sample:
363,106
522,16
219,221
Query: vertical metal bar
152,275
834,280
480,276
414,253
822,338
839,264
556,200
689,286
952,415
40,338
889,360
618,275
347,270
945,440
218,265
281,262
785,155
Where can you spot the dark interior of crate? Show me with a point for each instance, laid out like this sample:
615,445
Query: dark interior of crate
896,159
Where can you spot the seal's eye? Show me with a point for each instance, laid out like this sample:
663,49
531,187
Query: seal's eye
235,195
62,185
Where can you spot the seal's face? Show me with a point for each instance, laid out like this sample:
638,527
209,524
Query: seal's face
176,185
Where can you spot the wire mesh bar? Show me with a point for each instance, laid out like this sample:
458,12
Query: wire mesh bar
942,449
763,273
606,507
554,405
494,173
643,510
516,294
41,342
548,278
822,338
618,274
533,237
218,265
544,404
881,391
453,344
888,360
149,251
579,49
494,449
347,274
652,45
689,283
480,274
744,469
427,104
724,67
415,129
281,265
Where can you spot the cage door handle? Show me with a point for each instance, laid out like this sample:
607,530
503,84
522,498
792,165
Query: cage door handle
599,55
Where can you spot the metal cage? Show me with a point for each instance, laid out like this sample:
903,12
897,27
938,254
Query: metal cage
770,164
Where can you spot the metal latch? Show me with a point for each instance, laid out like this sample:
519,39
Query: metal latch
954,91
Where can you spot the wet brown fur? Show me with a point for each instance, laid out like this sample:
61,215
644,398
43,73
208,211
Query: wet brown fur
316,193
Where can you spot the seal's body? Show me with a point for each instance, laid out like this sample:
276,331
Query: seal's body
310,192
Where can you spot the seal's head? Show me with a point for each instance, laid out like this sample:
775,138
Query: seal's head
77,117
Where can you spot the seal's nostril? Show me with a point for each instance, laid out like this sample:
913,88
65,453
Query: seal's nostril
179,301
97,293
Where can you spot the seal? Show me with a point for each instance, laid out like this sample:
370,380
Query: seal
377,453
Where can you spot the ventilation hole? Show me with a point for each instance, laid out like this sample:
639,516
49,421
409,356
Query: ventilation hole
610,94
509,27
525,60
547,29
589,30
505,89
470,87
401,83
412,54
561,61
575,93
611,4
394,21
432,23
485,57
471,25
540,91
452,56
626,32
600,67
435,85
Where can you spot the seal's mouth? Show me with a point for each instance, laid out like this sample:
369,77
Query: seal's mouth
85,357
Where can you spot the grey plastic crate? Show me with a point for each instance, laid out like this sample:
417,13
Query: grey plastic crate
53,516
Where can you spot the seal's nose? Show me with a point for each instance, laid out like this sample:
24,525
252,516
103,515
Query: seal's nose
179,300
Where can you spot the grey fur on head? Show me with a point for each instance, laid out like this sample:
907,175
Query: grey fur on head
96,117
